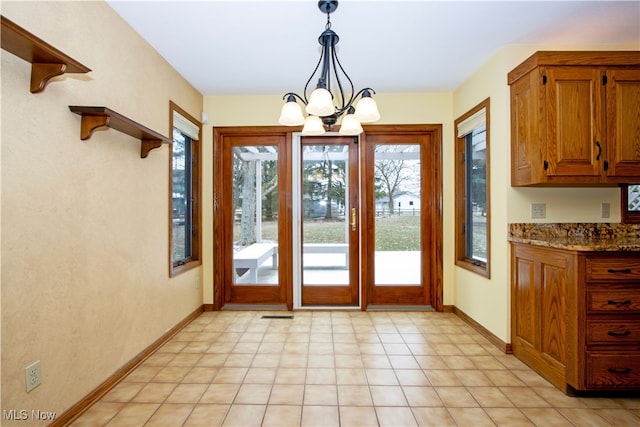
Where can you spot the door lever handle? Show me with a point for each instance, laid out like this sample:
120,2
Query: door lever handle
354,221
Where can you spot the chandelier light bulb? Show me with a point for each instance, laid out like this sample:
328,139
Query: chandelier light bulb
350,125
313,126
320,103
367,109
291,113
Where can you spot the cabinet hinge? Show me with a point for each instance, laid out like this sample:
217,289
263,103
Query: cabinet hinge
546,165
606,165
544,80
604,79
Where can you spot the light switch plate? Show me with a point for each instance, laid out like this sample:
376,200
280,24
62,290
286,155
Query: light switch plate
538,210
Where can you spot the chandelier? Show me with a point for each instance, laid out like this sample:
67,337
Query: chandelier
329,88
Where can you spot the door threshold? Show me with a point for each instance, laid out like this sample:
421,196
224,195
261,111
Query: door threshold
372,307
274,307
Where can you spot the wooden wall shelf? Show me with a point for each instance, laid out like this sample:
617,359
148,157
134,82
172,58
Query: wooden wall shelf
96,117
46,61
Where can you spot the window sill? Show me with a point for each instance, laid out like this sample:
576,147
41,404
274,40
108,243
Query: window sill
181,267
480,268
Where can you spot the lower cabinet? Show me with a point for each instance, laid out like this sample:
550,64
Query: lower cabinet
575,316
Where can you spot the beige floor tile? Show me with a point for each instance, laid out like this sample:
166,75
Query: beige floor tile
504,378
185,359
293,360
371,348
196,347
246,348
282,416
584,417
354,395
409,377
459,362
376,362
508,417
287,394
403,362
358,416
475,417
490,397
316,360
422,396
524,397
433,417
456,397
207,415
546,417
261,375
442,377
201,375
230,375
320,416
386,395
170,414
171,374
619,417
348,361
346,348
320,395
473,378
133,414
253,394
172,347
245,415
395,416
351,376
98,415
431,362
159,359
486,362
321,376
630,403
212,361
600,402
239,360
220,393
381,377
558,399
290,376
154,393
187,393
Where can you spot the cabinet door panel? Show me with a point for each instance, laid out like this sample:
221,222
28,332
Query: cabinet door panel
574,122
554,320
623,123
526,317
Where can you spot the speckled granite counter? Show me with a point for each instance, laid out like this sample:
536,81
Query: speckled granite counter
578,236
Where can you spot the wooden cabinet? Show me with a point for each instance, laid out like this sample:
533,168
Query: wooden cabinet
575,316
575,119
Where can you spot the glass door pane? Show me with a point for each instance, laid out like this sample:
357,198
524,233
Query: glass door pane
255,215
329,221
398,216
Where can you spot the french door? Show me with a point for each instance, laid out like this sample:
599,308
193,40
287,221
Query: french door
328,221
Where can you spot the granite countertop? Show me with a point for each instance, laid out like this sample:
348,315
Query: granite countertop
578,236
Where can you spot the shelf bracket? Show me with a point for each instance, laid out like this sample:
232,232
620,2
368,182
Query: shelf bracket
93,118
46,61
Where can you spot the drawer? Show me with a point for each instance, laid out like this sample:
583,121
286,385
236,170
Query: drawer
613,370
622,269
613,332
602,300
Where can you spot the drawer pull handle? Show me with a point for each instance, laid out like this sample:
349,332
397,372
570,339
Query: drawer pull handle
619,334
619,371
624,270
613,302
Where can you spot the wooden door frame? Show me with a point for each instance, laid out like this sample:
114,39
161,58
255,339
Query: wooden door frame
223,234
432,251
435,256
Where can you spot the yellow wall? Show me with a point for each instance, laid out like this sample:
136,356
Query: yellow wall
435,108
85,283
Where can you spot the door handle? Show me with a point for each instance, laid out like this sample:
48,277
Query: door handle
354,221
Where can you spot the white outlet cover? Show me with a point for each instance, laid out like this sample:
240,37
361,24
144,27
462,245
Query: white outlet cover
33,375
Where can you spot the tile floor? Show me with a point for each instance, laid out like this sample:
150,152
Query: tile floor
234,368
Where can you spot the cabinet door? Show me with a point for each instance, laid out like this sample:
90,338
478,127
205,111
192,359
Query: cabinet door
574,123
540,277
623,123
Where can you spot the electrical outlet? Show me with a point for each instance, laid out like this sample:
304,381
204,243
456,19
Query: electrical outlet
33,375
605,210
538,210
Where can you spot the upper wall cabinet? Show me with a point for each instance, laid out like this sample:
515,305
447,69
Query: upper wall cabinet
575,119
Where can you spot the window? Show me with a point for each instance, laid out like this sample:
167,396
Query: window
184,190
472,213
630,204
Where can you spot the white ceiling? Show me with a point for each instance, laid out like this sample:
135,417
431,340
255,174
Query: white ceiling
225,47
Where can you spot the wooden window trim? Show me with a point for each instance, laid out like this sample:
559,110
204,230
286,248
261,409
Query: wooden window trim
196,172
628,217
462,261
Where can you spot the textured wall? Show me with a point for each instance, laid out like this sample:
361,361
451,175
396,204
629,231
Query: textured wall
85,283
